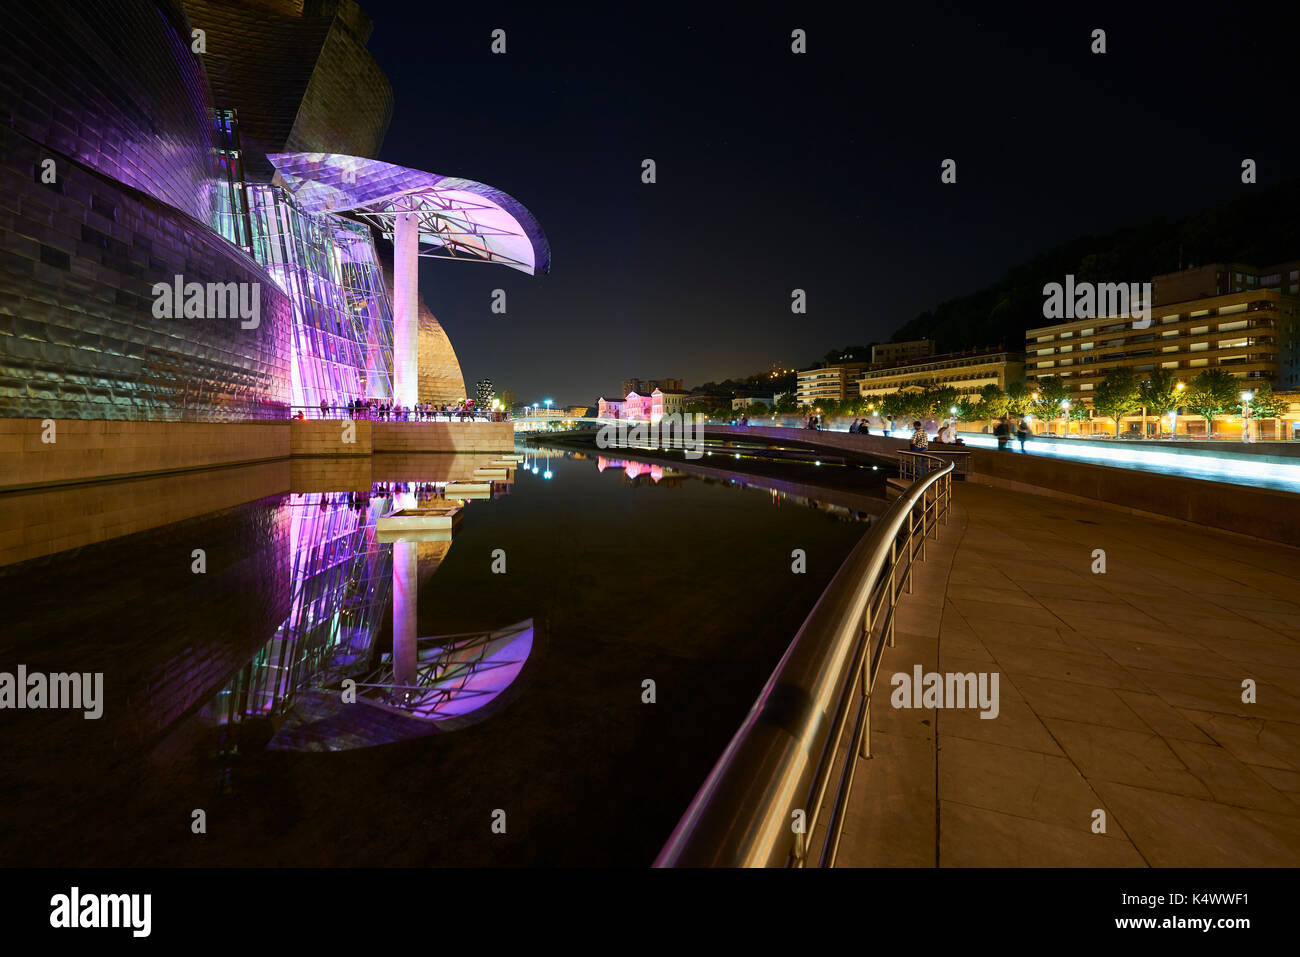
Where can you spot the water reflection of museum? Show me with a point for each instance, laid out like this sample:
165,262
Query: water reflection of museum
330,678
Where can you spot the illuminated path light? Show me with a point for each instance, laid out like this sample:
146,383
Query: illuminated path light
424,214
1213,465
1234,469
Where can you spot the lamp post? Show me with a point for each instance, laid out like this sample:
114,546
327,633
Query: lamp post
1173,415
1246,398
1065,418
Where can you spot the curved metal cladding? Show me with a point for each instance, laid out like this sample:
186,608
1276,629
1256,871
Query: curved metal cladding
79,337
110,93
299,75
112,84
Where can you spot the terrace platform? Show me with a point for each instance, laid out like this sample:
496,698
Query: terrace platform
34,454
326,437
1119,691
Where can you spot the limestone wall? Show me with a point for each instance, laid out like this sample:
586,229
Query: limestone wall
95,449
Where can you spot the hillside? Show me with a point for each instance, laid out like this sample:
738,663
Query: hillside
1261,228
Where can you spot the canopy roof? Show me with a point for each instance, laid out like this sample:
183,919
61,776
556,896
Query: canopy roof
458,217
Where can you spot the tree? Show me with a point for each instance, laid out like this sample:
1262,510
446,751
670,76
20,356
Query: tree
1266,405
787,404
916,404
991,403
898,404
1051,392
935,402
1080,412
1018,398
1213,393
1159,392
968,409
1116,395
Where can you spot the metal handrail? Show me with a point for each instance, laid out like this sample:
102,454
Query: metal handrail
959,458
763,801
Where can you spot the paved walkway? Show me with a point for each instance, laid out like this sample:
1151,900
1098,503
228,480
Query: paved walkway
1119,691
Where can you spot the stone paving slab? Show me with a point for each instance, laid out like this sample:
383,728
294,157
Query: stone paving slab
1119,692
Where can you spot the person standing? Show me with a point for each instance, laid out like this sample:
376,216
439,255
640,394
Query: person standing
1002,431
920,441
1023,433
920,438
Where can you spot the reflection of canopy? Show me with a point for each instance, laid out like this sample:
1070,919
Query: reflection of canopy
458,676
455,675
468,220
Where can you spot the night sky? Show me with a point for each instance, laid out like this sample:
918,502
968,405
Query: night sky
818,171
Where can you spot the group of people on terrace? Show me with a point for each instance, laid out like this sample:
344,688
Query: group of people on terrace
387,410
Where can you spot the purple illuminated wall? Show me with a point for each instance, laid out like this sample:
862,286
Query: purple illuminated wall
343,319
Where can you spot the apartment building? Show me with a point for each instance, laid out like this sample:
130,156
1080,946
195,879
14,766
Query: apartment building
1253,332
967,372
888,353
828,383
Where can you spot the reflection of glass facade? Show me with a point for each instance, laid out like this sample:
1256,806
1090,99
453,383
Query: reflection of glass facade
343,319
342,584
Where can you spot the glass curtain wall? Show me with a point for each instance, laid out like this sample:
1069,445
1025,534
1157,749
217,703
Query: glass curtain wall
343,318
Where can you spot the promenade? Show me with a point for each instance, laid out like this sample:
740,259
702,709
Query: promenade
1119,692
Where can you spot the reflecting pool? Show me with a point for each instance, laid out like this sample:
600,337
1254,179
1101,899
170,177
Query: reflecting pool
575,653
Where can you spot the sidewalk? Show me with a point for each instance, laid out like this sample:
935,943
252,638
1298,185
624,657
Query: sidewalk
1119,691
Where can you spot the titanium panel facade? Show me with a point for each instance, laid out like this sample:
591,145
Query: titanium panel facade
111,84
298,75
78,336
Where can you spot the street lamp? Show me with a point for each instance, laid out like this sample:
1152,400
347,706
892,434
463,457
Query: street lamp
1246,398
1173,415
1065,418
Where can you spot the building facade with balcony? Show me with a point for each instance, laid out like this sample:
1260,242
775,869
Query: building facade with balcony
829,383
967,372
1252,333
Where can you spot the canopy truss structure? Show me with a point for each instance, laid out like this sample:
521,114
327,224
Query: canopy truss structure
424,214
457,218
